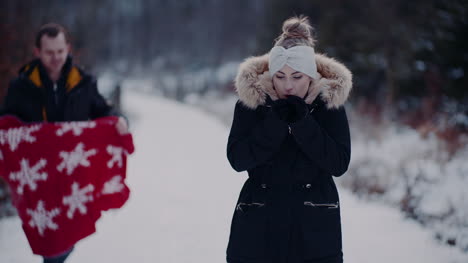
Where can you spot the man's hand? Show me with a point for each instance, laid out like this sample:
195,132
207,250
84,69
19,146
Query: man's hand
122,126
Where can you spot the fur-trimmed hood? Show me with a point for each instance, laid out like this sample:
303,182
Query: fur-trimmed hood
253,82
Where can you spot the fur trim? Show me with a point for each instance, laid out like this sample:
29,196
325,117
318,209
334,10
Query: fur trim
253,82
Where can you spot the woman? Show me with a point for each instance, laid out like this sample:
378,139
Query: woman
290,132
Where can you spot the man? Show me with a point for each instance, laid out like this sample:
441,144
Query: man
52,89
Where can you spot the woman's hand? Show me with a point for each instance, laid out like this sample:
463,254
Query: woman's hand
291,109
282,109
298,108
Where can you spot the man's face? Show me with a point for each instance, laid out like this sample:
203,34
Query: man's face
53,52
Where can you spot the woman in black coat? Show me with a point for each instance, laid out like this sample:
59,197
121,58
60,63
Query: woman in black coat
290,133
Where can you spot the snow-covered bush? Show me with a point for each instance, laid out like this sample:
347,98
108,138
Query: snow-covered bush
400,167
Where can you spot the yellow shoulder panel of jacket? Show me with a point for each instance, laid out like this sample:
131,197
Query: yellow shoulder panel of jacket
74,77
35,77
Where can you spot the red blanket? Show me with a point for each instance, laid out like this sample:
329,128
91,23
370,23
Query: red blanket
62,176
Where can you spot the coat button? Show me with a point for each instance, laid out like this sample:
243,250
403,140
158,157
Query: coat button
308,186
264,186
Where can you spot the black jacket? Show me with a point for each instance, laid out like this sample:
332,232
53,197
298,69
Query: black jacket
31,96
288,209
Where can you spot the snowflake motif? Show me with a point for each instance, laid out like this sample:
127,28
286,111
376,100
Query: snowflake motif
112,186
29,175
42,219
71,160
14,136
116,153
75,127
78,199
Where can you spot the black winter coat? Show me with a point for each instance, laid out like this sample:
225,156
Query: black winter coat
288,209
30,96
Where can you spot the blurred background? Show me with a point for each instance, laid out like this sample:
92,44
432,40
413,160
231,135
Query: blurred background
408,109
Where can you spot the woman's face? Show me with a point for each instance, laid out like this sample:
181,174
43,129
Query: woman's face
288,81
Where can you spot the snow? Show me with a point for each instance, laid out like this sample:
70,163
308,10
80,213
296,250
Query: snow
402,168
184,193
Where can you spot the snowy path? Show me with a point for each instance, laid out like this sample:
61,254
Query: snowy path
183,194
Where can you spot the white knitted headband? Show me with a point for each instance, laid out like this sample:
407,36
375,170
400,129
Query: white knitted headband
300,58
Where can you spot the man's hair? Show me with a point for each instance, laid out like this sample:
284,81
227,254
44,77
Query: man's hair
50,30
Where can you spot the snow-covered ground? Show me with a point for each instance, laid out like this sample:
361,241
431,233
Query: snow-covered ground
183,195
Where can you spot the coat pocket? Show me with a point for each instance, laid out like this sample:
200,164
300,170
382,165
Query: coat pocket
245,207
249,226
248,232
323,205
321,227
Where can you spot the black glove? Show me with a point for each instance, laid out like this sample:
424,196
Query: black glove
297,107
282,109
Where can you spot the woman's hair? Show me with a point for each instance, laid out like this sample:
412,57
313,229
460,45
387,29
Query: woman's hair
297,31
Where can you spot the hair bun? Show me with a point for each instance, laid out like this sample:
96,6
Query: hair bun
296,31
297,27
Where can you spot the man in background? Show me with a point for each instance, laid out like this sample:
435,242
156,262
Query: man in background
52,89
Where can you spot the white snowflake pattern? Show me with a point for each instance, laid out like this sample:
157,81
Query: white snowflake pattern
71,160
78,199
75,127
28,175
14,136
112,186
42,219
116,153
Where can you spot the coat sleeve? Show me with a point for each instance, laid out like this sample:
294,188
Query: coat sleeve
10,101
252,140
327,144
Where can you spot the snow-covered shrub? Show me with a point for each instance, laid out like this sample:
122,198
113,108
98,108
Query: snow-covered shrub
400,167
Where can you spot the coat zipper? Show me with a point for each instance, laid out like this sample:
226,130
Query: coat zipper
55,93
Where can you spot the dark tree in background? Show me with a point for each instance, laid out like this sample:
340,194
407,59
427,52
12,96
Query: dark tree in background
396,49
132,36
390,45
